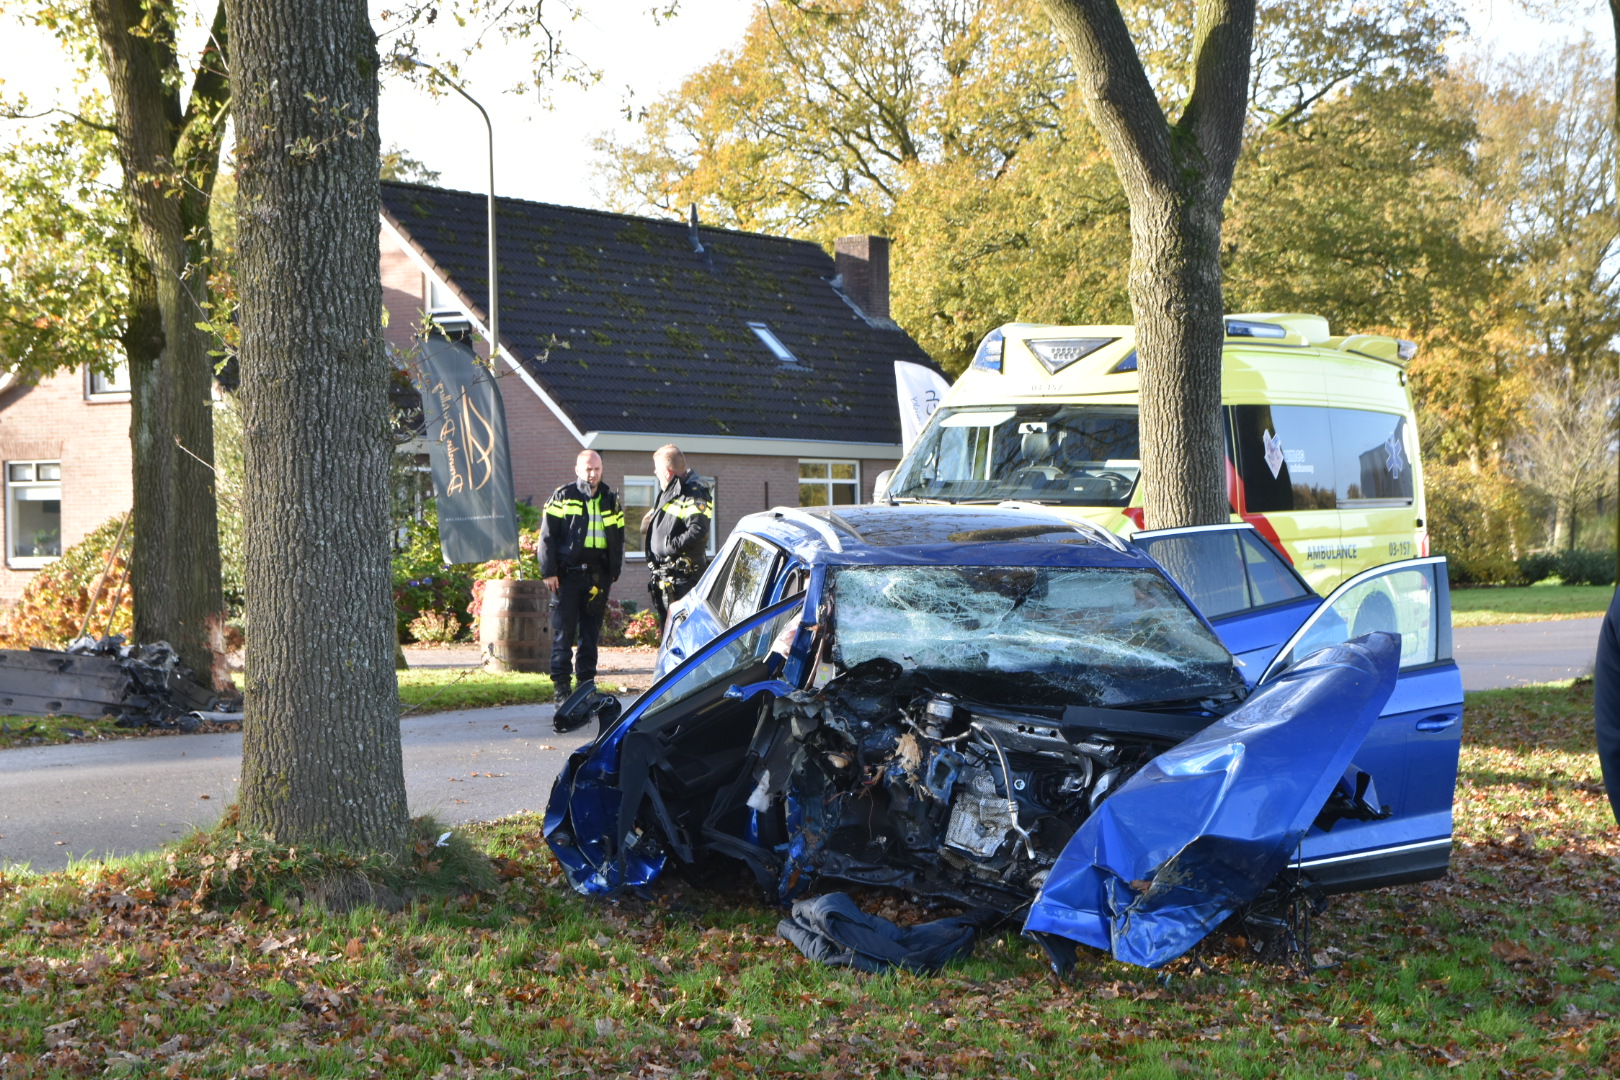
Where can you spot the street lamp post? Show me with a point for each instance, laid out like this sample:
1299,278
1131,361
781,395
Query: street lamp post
494,275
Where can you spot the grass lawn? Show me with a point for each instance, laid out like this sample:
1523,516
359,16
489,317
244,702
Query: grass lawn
1508,968
1494,604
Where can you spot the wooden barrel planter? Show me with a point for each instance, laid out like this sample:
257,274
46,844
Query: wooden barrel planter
514,625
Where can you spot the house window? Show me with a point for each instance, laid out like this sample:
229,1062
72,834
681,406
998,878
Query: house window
33,513
111,386
829,483
638,495
773,343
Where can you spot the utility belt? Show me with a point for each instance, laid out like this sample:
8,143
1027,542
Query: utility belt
682,568
586,568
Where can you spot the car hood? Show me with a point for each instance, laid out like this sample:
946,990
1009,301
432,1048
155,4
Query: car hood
1205,827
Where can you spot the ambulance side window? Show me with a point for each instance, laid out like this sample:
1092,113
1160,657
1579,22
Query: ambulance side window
1285,457
1374,457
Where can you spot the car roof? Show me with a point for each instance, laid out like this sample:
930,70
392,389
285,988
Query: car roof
964,535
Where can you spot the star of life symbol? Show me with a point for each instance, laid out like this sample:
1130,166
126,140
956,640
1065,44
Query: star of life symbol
1274,453
1394,459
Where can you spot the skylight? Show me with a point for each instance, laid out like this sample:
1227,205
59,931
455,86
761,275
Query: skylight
773,343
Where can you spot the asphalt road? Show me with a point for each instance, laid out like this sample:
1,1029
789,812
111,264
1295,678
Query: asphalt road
59,803
1495,657
76,801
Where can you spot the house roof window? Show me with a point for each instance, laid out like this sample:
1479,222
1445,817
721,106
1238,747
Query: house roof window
773,343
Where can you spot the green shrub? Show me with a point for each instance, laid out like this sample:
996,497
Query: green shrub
422,581
1586,567
1474,519
1538,567
436,627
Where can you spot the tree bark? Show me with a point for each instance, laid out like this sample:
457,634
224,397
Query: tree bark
1176,177
170,157
321,751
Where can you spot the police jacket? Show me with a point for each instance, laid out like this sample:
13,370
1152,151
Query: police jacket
568,540
680,522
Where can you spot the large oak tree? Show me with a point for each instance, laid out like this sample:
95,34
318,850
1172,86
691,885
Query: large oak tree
321,749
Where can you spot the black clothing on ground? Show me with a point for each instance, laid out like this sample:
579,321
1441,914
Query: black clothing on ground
579,605
831,930
1606,702
675,541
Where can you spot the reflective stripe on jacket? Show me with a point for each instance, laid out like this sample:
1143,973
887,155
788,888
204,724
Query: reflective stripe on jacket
680,522
577,529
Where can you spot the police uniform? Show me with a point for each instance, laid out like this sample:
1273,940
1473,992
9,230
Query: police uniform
582,545
676,537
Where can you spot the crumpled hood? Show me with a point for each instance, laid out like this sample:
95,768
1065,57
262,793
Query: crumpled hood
1203,828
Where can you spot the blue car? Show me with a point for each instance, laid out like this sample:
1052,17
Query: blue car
1123,743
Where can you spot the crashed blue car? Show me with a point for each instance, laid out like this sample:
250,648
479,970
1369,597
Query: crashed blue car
1123,743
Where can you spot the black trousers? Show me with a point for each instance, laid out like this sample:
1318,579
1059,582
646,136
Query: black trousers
577,607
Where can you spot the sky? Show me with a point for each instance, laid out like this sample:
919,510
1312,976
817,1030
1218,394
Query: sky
546,153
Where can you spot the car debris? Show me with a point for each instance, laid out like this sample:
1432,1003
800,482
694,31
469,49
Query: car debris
830,929
1000,710
137,685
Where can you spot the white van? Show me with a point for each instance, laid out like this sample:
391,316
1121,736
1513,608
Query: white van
1321,441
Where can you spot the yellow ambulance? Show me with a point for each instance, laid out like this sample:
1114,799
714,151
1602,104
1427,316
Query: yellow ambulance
1321,441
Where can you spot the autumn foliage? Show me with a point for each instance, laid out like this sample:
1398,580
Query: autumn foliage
82,592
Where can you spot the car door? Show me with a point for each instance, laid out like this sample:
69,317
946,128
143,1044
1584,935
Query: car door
1412,751
736,587
691,730
1249,593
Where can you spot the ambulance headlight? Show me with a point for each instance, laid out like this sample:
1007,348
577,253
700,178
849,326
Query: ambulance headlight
988,356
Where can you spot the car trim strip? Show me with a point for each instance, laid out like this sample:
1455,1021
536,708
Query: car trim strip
1374,853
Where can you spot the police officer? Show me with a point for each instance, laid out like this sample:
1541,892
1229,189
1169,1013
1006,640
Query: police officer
581,553
676,533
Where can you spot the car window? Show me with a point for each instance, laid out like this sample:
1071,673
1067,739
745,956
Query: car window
746,578
747,648
1224,569
1402,598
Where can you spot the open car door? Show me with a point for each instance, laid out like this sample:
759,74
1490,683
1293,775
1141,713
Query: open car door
1412,751
608,822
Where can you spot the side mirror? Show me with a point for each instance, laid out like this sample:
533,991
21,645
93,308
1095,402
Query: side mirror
880,486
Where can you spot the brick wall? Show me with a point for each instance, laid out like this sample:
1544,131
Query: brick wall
52,421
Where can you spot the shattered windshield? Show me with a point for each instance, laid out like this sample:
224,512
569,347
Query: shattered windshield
1064,455
1049,635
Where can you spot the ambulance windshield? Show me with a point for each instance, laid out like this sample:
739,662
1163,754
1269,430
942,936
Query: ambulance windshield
1062,455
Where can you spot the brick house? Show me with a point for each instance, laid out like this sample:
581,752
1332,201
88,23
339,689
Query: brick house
65,456
769,362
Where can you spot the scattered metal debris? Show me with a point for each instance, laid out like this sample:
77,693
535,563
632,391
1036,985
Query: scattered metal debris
138,685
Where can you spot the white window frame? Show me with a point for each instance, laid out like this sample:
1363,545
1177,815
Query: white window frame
98,390
651,482
28,562
446,304
710,482
829,481
768,337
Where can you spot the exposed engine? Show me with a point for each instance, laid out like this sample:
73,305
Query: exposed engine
948,797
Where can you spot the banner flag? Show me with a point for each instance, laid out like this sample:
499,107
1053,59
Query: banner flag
921,390
465,429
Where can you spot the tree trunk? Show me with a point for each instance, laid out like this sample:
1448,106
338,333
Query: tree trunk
1175,291
169,162
1176,178
321,752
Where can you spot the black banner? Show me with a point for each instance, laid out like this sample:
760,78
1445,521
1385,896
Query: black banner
472,466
